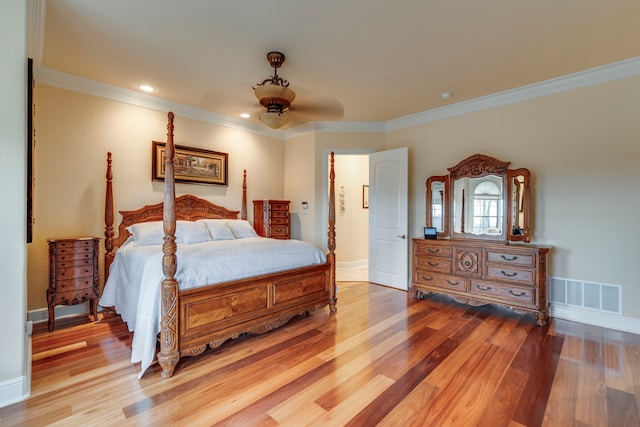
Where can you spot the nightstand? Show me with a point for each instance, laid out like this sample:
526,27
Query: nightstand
73,274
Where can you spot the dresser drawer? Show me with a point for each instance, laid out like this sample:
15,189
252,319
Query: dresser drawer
511,258
444,281
69,285
442,251
279,230
437,264
278,221
75,272
506,292
70,259
279,206
63,250
74,297
519,275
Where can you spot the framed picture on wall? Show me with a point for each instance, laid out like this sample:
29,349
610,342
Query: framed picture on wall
365,197
191,165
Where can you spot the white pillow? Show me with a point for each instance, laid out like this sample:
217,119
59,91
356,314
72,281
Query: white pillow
218,228
192,232
241,229
148,233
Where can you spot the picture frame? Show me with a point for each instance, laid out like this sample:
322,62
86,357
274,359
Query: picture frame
365,197
191,165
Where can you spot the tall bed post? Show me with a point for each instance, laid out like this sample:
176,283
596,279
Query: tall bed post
169,355
108,220
243,209
331,234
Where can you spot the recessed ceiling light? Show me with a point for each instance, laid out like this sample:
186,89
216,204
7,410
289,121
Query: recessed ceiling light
146,88
245,115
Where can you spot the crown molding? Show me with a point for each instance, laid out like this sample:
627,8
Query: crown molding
71,82
598,75
593,76
36,18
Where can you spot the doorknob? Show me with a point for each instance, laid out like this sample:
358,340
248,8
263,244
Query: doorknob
404,236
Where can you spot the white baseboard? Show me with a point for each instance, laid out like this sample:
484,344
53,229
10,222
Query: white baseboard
352,264
13,391
596,318
42,314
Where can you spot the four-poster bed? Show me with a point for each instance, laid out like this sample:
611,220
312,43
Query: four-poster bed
209,313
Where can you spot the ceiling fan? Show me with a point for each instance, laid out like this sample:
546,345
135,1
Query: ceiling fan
276,98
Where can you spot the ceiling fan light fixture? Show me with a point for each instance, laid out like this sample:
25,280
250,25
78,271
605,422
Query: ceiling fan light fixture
274,119
274,95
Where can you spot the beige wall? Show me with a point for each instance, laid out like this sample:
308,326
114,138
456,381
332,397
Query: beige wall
299,187
74,133
583,150
581,147
13,137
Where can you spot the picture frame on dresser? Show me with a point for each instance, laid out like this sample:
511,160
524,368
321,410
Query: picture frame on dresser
191,165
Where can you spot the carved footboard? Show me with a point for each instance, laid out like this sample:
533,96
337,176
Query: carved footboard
212,315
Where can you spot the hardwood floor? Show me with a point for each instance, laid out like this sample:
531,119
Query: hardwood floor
384,359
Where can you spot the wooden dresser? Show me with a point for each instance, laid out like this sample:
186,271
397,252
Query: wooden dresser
478,272
73,274
271,218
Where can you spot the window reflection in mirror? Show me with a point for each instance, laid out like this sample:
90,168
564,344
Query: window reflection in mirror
437,205
478,205
517,205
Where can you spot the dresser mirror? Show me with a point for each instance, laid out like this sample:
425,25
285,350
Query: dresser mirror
481,198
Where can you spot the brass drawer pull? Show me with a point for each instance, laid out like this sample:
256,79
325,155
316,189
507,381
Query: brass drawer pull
433,264
433,251
521,294
488,288
427,279
514,274
456,283
515,257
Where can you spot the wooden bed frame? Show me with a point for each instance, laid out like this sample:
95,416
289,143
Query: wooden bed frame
208,316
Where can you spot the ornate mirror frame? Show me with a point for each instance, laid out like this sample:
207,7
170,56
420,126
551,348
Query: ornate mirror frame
515,201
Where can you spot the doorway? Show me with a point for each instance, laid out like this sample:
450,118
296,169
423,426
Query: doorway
352,214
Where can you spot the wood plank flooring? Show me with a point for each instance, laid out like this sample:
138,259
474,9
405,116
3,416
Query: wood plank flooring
384,359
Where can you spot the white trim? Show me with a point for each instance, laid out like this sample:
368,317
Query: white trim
593,76
41,315
36,18
348,265
59,79
602,74
595,318
13,390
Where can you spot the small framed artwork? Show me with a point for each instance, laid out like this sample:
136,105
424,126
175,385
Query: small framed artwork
190,165
365,197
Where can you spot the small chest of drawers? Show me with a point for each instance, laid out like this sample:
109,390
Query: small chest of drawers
73,274
271,218
475,272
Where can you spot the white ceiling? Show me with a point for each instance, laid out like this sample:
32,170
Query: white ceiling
347,60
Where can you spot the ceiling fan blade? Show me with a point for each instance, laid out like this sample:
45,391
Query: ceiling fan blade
318,110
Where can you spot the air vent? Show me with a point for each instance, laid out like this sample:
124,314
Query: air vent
601,297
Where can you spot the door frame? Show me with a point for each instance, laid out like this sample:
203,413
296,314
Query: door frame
326,152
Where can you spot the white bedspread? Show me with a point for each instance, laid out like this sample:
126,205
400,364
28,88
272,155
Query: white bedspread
133,287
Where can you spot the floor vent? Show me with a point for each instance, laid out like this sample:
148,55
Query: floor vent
601,297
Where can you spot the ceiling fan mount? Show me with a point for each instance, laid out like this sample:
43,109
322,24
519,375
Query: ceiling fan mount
276,59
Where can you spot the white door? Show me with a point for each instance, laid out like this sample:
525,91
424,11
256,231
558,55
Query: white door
388,218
